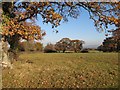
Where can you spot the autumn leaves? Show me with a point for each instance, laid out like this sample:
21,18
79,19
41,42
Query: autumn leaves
24,29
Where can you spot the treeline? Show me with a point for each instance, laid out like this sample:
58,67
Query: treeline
65,44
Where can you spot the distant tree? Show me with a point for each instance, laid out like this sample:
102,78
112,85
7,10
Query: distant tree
30,46
85,50
67,44
112,43
116,37
76,45
109,44
100,48
63,44
58,47
27,46
49,48
38,46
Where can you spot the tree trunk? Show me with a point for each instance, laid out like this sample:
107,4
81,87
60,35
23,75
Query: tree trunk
4,54
14,43
118,45
75,50
64,51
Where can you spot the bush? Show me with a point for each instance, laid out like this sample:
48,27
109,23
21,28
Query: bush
38,46
49,48
84,51
49,51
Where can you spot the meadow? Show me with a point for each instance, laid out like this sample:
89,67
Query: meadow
63,70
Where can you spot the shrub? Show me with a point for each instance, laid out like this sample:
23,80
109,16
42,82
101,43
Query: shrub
49,48
38,46
84,51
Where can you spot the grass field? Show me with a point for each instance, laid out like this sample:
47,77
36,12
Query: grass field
63,70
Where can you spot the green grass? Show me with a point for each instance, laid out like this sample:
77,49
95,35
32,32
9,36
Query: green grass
63,70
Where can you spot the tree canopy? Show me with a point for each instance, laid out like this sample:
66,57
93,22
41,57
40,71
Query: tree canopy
70,45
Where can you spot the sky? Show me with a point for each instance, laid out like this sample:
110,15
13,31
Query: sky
81,29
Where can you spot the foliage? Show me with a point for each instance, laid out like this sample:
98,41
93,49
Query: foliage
49,48
53,12
13,29
30,46
109,44
112,43
23,29
116,37
85,51
38,46
76,45
70,45
100,48
63,44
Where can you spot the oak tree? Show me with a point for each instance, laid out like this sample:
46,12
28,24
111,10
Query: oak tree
76,45
63,44
66,44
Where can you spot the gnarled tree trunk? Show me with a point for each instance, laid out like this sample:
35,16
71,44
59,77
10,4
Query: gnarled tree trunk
5,61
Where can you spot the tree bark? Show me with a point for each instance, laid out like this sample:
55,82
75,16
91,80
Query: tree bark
14,43
4,54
